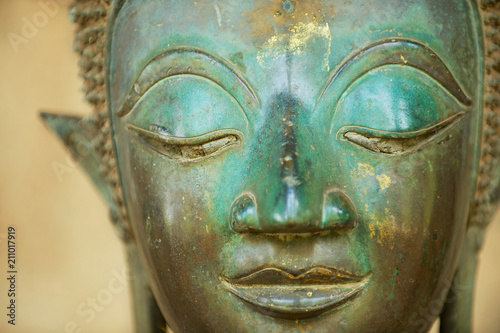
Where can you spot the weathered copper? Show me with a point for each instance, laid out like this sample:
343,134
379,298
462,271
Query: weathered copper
294,166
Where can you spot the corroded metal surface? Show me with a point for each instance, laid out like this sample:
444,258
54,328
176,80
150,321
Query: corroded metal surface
299,165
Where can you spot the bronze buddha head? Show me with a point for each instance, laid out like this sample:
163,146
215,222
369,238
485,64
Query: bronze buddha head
296,165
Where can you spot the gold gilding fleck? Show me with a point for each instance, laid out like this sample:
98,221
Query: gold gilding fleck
381,31
365,170
275,18
371,226
383,228
296,41
384,181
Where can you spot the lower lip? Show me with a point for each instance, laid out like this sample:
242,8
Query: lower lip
295,301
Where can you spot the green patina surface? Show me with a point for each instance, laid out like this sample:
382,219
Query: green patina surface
296,165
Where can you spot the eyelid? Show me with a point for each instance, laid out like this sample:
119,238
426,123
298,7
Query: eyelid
397,143
189,61
187,149
402,52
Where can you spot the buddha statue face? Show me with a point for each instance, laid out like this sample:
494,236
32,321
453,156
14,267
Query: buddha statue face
297,165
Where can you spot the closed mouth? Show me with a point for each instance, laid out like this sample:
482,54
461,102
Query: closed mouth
296,295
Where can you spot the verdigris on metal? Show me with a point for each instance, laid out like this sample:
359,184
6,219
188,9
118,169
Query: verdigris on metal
295,166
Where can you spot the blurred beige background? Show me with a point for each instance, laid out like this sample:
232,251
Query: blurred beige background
68,255
66,249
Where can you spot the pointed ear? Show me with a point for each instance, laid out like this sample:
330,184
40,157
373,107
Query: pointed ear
77,137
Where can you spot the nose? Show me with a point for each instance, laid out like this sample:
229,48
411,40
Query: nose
292,196
289,216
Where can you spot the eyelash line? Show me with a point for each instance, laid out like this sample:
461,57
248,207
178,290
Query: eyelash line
394,143
186,149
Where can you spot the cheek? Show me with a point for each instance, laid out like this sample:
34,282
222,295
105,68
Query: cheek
179,214
413,214
173,218
171,199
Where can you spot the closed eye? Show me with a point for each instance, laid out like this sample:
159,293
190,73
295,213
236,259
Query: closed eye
398,143
186,149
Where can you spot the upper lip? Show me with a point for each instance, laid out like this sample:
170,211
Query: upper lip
314,275
295,294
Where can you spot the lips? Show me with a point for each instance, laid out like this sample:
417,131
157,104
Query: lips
296,295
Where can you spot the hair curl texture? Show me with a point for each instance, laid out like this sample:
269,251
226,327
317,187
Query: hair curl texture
91,17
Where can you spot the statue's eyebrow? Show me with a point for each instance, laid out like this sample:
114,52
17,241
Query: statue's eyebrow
394,52
190,61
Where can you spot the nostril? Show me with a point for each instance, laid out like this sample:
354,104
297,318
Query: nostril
243,216
338,211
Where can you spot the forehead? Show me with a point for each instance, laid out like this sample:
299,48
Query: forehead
268,40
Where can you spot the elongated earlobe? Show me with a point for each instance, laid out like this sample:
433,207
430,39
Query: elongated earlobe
457,310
